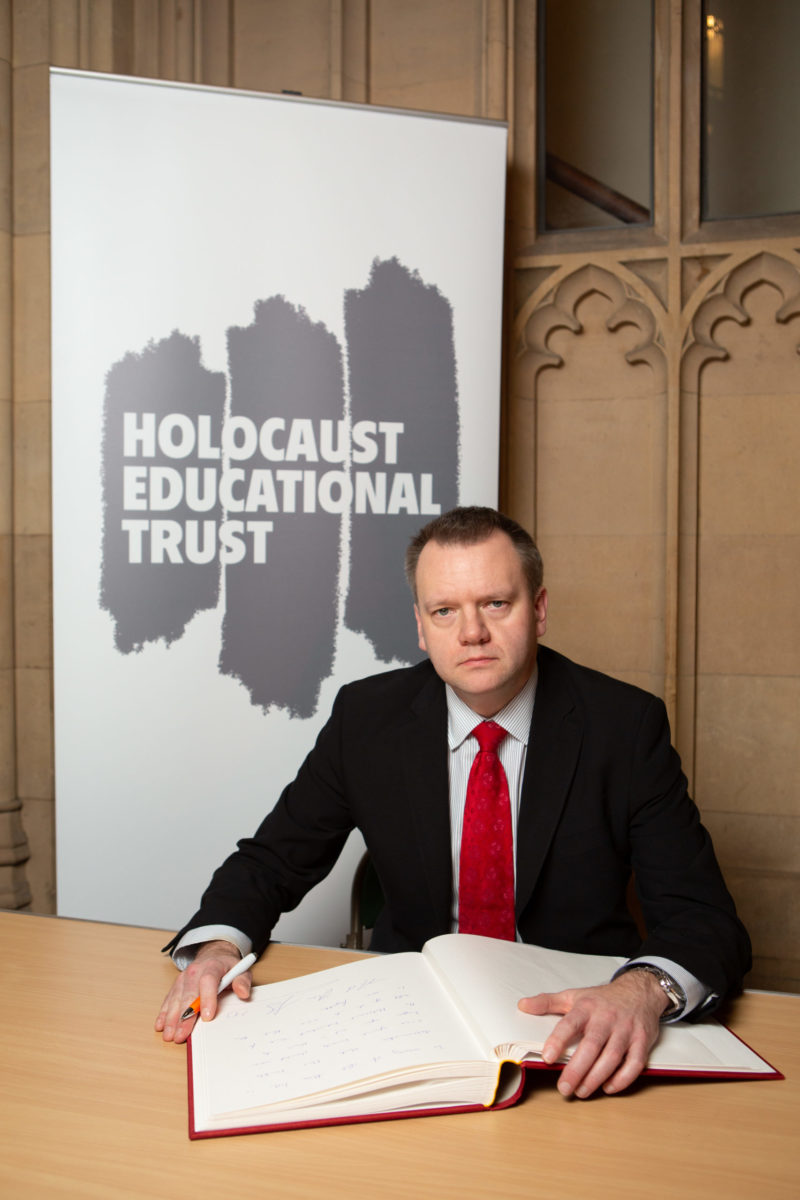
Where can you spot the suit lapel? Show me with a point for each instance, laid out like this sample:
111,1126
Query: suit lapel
424,759
553,749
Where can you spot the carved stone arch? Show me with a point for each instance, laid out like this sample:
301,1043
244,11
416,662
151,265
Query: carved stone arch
728,436
558,309
725,301
592,468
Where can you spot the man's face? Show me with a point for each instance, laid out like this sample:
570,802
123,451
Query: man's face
477,620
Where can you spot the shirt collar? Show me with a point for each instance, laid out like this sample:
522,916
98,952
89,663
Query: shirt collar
515,718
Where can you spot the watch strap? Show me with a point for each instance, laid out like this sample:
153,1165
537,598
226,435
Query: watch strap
670,987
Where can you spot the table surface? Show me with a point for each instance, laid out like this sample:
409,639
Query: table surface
94,1104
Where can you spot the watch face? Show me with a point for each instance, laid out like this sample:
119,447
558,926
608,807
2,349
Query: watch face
673,993
674,1002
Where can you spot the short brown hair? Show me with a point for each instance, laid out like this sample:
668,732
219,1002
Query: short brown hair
468,526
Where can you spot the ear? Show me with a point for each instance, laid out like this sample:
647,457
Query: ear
540,610
420,634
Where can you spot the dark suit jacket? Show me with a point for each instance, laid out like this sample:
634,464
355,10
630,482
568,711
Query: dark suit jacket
603,795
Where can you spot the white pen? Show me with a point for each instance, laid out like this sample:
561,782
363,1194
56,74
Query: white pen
228,977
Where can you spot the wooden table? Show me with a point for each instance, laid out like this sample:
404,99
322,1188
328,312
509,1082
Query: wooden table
93,1104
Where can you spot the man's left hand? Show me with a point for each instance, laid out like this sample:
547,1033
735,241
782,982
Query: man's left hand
613,1028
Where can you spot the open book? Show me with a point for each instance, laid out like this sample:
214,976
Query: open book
408,1034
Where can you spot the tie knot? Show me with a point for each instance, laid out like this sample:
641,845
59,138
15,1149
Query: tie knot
489,735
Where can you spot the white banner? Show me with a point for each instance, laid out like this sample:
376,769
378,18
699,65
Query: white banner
276,354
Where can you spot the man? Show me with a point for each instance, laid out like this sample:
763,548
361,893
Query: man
593,791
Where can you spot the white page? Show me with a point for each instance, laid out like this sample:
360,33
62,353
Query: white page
493,975
381,1016
705,1046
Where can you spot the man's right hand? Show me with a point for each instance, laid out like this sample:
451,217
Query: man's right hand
201,978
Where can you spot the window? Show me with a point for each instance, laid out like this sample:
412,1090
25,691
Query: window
596,113
751,108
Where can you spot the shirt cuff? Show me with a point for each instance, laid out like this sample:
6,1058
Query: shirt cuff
697,994
190,943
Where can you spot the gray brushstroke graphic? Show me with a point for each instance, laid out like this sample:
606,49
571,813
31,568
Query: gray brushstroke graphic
262,491
402,368
280,616
157,596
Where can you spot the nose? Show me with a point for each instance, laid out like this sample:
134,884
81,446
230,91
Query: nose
473,629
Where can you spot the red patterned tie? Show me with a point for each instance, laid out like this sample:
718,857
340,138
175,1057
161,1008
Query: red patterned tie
486,868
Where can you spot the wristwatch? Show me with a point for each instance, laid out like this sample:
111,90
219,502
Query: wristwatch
672,990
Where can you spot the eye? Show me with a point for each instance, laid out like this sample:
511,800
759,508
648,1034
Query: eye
497,604
441,612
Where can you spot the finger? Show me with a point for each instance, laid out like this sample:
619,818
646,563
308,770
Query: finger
586,1046
208,987
610,1054
168,1021
567,1033
209,992
200,979
181,996
591,1065
242,985
631,1067
183,1028
209,1001
547,1003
